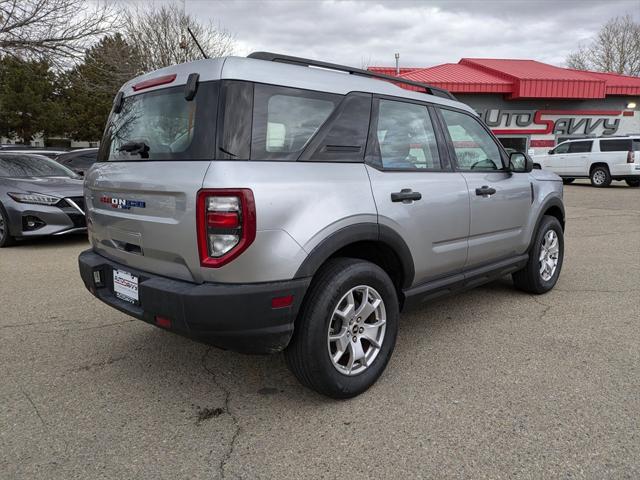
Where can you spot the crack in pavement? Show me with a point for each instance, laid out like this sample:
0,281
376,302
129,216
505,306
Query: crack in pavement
20,325
91,366
227,400
44,424
89,328
33,405
546,306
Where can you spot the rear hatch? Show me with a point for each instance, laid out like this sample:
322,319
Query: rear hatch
141,194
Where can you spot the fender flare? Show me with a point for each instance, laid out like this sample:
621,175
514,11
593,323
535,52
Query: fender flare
548,203
359,232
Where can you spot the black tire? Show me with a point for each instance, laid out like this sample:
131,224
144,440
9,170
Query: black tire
633,182
6,240
600,177
567,181
536,166
529,279
307,355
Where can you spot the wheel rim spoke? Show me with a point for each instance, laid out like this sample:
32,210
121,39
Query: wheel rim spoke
356,355
371,333
367,307
349,308
341,341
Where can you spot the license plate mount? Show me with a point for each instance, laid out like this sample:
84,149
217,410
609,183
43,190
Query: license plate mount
125,286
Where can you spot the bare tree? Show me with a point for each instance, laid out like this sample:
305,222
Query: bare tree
616,48
160,35
52,30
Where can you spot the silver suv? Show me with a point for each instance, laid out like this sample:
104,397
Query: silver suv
263,204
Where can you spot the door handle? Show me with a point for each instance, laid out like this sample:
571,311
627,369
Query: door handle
485,190
405,195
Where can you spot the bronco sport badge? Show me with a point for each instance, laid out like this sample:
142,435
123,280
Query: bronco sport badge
122,203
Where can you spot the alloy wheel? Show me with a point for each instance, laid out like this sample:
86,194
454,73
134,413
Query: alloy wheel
599,177
356,330
549,255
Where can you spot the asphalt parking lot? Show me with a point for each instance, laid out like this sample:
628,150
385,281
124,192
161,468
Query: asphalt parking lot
492,383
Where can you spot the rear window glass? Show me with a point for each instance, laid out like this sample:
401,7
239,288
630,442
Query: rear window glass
163,125
619,145
580,147
285,119
32,166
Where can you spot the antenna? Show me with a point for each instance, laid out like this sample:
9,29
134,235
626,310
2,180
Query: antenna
197,44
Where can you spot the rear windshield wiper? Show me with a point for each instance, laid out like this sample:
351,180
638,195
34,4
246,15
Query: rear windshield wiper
136,148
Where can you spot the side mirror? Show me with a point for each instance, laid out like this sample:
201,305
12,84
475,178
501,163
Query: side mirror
550,152
520,162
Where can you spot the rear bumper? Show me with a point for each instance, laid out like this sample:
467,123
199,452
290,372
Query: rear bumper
233,316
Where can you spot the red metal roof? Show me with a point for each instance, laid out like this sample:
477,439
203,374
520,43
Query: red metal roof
520,79
619,84
460,78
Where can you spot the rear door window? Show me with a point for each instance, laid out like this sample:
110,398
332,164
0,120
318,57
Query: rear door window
285,119
618,145
580,147
404,138
163,125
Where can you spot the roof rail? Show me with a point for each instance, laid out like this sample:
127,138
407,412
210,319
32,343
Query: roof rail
305,62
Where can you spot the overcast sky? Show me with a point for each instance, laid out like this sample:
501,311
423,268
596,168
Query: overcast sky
424,33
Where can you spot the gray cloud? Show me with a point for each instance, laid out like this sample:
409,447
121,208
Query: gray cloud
425,33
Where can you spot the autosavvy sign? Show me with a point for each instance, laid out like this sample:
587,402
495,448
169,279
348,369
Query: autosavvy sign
551,122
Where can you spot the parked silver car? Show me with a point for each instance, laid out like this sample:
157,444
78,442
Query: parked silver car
261,205
38,197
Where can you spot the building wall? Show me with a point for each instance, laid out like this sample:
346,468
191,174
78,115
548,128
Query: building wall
539,124
39,142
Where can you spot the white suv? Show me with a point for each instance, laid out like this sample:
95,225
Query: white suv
600,159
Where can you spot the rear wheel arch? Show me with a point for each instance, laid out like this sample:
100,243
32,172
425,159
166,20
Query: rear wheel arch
375,243
598,164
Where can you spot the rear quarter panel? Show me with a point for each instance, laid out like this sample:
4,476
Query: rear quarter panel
298,204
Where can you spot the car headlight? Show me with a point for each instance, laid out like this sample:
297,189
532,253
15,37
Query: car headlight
35,198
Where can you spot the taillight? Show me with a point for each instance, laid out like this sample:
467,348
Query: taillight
226,221
630,157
